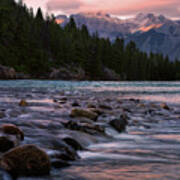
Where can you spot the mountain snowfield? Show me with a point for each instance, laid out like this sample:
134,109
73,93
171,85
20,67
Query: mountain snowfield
151,33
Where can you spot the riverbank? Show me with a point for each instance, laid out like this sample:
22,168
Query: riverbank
69,125
68,72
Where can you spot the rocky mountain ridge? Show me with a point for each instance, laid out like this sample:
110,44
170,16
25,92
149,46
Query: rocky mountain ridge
151,33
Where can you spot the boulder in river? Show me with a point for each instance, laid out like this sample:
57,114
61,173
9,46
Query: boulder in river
12,130
119,123
84,127
57,163
75,104
28,160
6,144
73,143
79,112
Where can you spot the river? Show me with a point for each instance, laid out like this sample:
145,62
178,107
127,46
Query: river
142,152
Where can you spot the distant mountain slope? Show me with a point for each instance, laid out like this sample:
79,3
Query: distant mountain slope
151,33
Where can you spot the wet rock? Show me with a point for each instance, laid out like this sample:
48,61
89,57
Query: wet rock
56,163
55,100
23,103
6,144
73,143
78,112
164,106
119,123
63,99
12,130
146,126
98,111
134,100
65,153
105,106
91,106
125,109
84,127
75,104
62,102
141,105
153,105
27,160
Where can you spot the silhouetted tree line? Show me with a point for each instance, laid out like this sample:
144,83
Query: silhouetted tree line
33,44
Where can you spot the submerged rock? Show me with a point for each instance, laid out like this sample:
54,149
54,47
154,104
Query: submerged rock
6,144
96,110
23,103
84,127
13,130
56,163
105,106
78,112
119,123
73,143
10,136
28,160
91,105
65,153
75,104
164,106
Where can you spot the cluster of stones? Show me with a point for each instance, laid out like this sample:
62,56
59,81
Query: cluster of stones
20,159
30,160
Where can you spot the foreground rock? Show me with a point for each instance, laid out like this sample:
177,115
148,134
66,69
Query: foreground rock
10,137
78,112
119,123
73,143
27,160
6,143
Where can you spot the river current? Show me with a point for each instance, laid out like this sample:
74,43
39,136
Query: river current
137,154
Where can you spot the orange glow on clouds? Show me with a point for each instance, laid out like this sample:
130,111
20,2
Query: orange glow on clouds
116,7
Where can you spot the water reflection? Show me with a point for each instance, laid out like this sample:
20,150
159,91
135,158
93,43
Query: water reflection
148,171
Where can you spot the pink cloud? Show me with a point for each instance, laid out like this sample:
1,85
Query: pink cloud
65,5
117,7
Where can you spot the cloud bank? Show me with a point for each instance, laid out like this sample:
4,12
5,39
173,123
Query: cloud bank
117,7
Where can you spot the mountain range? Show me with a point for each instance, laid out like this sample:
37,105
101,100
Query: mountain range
150,32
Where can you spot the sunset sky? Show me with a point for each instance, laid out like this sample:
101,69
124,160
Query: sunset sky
125,8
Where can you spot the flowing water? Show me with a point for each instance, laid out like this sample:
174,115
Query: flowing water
137,154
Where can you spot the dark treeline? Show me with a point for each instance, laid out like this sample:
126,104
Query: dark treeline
33,44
